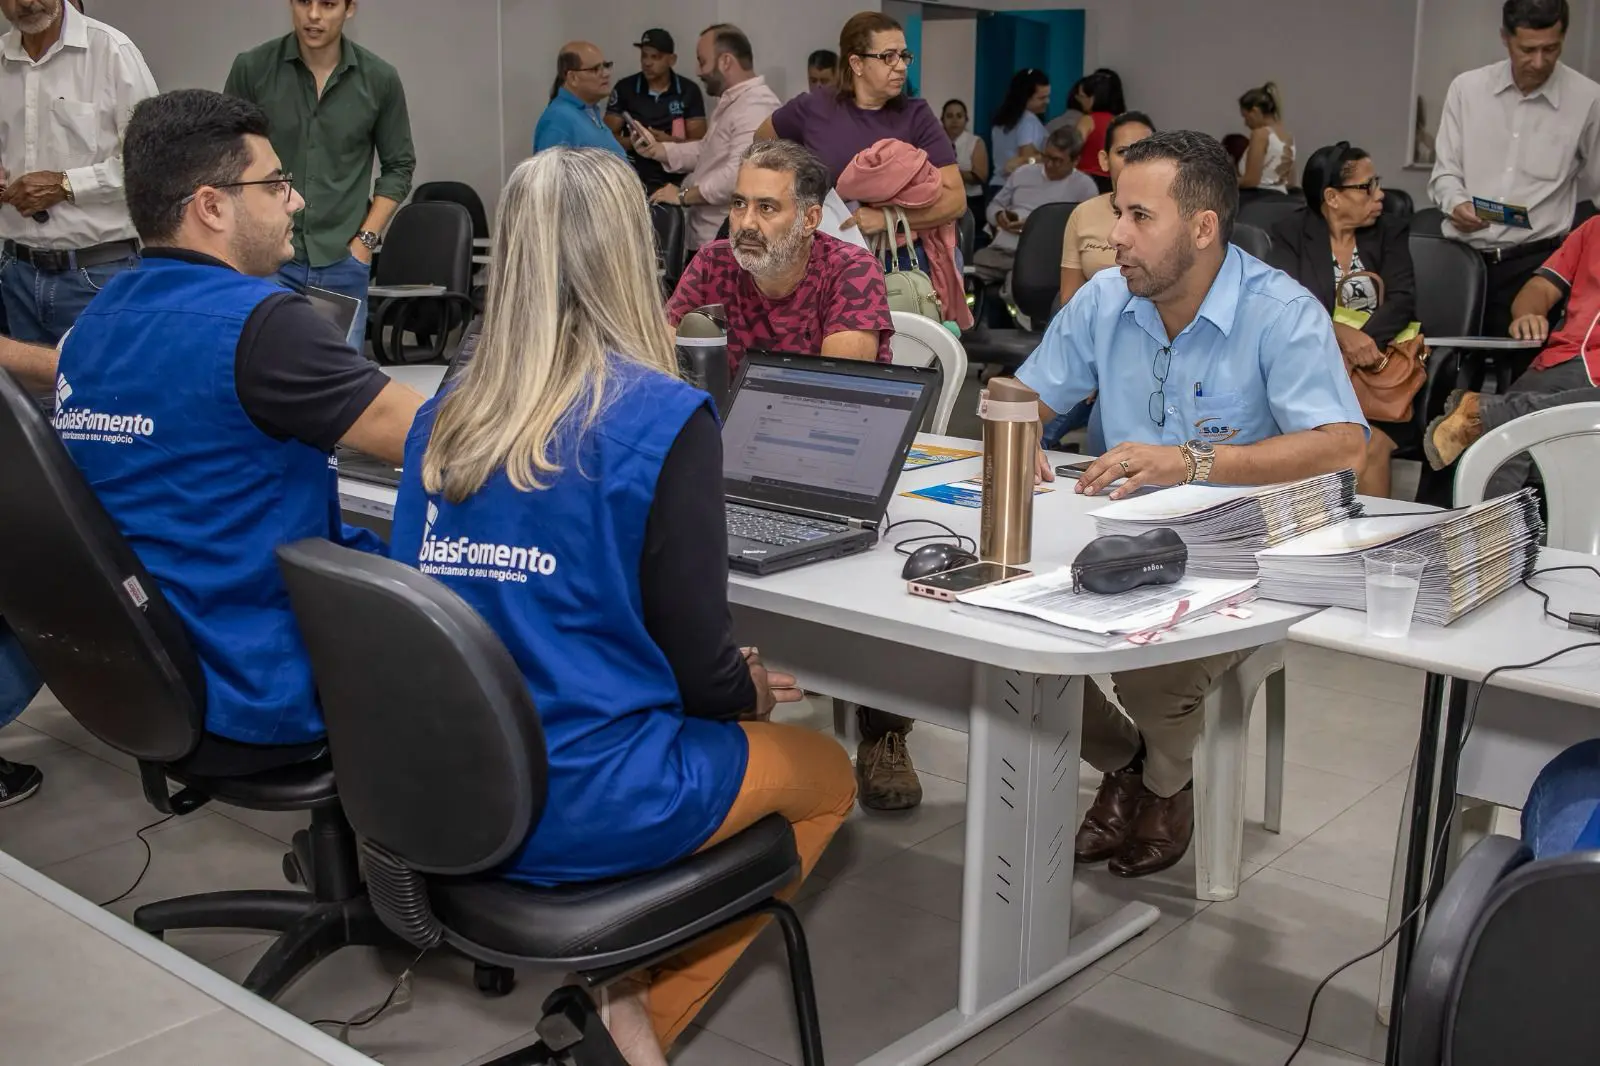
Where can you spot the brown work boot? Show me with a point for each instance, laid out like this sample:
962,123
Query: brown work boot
1160,834
1105,827
885,778
1449,436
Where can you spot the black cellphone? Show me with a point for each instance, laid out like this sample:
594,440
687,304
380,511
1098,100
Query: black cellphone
1074,470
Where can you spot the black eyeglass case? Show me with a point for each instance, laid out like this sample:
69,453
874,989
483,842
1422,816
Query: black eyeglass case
1110,565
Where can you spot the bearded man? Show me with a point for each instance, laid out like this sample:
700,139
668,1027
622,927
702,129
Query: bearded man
784,286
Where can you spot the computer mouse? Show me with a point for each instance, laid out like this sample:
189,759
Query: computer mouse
935,559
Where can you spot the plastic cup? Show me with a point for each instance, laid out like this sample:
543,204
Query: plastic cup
1393,579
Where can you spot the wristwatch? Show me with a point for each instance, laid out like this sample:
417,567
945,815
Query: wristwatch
683,196
66,188
370,239
1199,456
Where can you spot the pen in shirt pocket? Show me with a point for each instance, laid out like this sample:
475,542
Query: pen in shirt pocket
1197,391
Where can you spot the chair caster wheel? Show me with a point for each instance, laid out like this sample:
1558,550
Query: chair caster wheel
494,981
291,869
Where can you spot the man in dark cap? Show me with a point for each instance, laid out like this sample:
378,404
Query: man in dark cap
656,98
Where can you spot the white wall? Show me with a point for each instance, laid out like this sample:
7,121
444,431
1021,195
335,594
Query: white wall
948,62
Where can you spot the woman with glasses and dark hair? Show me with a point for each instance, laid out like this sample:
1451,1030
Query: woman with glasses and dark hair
1333,248
1018,131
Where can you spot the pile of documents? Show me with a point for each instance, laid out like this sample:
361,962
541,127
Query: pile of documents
1140,615
1225,526
1473,554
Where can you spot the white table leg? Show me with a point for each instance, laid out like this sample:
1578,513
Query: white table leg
1016,907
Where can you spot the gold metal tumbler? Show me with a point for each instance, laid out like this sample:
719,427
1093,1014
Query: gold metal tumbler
1010,413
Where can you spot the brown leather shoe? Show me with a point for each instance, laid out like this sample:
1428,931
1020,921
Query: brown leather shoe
1159,836
885,778
1449,436
1105,827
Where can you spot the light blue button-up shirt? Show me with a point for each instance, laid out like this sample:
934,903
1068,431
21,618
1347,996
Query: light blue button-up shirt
569,121
1258,361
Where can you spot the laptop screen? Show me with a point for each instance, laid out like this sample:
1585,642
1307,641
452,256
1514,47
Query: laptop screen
822,435
335,307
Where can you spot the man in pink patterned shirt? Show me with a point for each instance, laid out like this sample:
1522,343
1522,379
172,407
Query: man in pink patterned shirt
784,286
744,102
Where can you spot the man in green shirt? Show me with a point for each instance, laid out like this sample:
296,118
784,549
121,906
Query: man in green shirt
332,104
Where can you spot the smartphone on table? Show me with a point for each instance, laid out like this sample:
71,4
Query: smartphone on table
1074,470
951,583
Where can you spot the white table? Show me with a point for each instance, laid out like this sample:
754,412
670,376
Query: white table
1536,708
425,378
78,985
848,628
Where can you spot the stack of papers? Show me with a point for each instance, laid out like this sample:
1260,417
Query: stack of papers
1473,554
1225,526
1047,601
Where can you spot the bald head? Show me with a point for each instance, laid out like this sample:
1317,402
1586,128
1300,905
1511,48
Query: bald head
581,69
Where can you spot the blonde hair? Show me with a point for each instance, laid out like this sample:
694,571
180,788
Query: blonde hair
573,288
1267,99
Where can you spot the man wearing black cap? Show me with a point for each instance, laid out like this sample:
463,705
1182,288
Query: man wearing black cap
670,107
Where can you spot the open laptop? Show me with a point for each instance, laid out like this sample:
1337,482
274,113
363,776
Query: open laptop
811,453
363,467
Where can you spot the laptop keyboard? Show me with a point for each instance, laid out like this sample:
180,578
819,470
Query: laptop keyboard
769,527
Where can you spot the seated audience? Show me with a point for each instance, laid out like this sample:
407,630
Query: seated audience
572,431
1017,132
1268,162
972,156
244,389
1564,372
1086,250
744,102
1327,248
575,116
1100,99
822,69
1055,179
784,286
1249,389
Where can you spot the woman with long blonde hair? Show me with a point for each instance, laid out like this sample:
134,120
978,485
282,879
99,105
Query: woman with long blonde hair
569,487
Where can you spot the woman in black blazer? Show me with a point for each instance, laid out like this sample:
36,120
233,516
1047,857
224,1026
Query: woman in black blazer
1344,231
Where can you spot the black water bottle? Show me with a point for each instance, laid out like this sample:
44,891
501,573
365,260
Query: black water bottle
703,352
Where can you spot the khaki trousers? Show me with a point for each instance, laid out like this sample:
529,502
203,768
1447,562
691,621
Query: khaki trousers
1164,705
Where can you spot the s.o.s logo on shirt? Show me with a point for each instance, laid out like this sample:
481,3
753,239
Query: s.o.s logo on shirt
1215,430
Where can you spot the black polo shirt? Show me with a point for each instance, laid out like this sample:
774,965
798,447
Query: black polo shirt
656,111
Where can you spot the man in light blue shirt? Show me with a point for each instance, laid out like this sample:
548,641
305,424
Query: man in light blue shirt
1210,366
575,116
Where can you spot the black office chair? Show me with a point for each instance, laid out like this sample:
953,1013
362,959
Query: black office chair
1398,203
1265,212
414,683
967,235
1504,969
427,244
1035,284
1252,239
671,236
456,192
1429,222
98,629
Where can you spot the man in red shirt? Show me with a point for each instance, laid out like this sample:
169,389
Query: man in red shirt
1565,371
784,286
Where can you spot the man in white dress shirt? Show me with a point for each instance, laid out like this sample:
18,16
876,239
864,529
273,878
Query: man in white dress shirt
67,86
1524,132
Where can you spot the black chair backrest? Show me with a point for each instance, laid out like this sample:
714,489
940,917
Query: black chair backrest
1451,284
456,192
1252,239
1265,213
1036,270
671,240
427,244
967,235
435,741
1429,222
1398,202
90,617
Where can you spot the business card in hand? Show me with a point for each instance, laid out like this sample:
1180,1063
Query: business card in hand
1501,214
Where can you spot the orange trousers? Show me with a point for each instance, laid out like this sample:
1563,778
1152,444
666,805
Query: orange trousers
804,776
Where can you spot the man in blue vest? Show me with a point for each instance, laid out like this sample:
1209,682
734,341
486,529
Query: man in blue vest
203,401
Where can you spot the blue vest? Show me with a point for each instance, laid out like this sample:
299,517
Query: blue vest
146,403
634,783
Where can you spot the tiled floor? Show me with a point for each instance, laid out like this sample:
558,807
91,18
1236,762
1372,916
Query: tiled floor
1213,984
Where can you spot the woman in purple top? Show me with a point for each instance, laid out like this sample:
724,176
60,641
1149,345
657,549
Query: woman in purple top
869,105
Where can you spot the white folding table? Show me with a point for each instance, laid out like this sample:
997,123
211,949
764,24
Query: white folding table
1524,717
848,628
